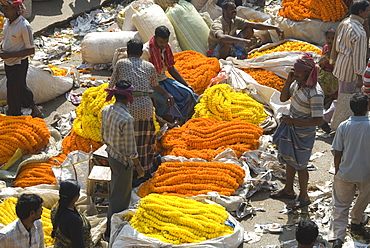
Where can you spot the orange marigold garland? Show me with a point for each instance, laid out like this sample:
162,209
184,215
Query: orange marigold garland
196,69
194,178
24,132
288,46
266,78
38,173
211,136
326,10
75,142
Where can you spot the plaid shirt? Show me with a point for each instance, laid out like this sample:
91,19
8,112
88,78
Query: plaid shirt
118,132
15,235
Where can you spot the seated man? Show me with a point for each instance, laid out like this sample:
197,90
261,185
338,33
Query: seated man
223,41
26,231
181,99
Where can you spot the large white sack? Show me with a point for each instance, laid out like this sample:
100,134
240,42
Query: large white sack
198,4
191,30
123,235
309,30
127,12
44,85
148,19
213,9
251,14
99,47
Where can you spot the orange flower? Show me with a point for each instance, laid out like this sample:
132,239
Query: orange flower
266,78
75,142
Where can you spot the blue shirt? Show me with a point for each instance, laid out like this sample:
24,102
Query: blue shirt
353,139
118,132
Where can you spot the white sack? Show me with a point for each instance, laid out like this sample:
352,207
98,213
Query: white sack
148,19
342,111
127,12
191,30
251,14
123,235
99,47
198,4
213,9
44,85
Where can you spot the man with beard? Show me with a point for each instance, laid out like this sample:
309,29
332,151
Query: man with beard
223,41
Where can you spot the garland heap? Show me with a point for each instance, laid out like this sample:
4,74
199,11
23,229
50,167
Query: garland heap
178,221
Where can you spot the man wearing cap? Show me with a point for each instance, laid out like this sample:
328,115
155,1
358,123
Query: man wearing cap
119,136
26,231
17,45
295,135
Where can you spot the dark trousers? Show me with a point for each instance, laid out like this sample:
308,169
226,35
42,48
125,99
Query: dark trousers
18,94
120,188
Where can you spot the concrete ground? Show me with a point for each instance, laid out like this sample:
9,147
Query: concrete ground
52,12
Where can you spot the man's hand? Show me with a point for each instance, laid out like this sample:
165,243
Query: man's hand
290,78
4,55
359,81
280,33
139,169
287,119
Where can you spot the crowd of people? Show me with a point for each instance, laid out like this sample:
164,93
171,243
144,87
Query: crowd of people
141,88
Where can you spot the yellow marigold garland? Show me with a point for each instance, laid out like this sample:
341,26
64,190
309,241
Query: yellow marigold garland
221,102
38,173
74,142
265,77
194,178
178,221
196,69
8,215
89,120
211,134
24,132
326,10
289,46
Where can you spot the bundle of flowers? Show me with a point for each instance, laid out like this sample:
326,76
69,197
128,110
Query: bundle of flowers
326,10
24,132
266,78
38,173
194,178
290,46
58,71
74,142
88,121
196,69
178,221
221,102
8,215
204,135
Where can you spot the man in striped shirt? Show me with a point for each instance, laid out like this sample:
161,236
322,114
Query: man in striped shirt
350,48
295,135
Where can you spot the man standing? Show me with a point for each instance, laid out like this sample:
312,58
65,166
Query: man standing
181,99
143,76
223,39
17,45
295,135
352,172
349,51
119,136
26,231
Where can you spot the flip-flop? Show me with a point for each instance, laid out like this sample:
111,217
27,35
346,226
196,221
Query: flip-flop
282,194
298,203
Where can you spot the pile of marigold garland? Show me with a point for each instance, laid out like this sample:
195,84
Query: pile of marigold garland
8,215
221,102
179,221
74,142
89,120
265,77
326,10
24,132
196,69
205,138
289,46
194,178
38,173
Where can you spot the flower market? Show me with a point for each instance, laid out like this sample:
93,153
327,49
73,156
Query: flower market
215,172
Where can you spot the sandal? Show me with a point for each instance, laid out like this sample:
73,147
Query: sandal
298,203
282,194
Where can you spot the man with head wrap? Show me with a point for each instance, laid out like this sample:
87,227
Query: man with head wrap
119,136
17,45
295,135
